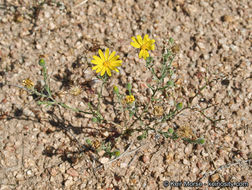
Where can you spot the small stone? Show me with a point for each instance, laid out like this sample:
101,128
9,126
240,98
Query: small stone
62,168
188,149
72,172
19,18
104,160
38,46
176,29
201,45
190,9
227,138
47,14
240,133
186,162
101,153
234,48
145,158
29,172
156,4
199,165
69,182
52,26
106,134
206,56
169,158
227,18
20,177
123,165
53,172
215,177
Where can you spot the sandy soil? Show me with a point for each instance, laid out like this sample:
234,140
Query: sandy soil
40,146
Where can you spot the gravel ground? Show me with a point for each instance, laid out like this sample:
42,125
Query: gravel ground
37,144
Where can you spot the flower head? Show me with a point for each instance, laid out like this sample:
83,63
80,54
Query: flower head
129,99
116,90
106,62
28,83
145,45
158,110
75,90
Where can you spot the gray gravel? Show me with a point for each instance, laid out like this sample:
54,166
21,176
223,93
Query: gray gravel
215,44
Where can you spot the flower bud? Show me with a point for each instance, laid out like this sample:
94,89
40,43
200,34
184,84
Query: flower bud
201,141
116,90
117,153
170,130
179,106
42,62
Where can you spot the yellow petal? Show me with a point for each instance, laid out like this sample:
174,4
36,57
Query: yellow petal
95,67
97,58
107,54
108,71
101,55
135,44
112,55
116,63
141,53
103,71
146,54
146,39
139,40
114,58
95,62
98,69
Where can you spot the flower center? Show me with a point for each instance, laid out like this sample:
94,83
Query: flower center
106,64
144,46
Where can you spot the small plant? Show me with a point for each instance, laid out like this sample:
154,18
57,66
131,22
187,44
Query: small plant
126,103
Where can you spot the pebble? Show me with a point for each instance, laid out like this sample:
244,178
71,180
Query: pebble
215,177
234,48
186,162
145,159
123,165
190,9
69,182
176,29
29,172
52,26
218,31
72,172
104,160
227,18
20,176
188,149
62,168
38,46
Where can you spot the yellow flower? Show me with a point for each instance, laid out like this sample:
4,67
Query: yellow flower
129,99
158,110
27,83
106,62
75,90
144,44
186,132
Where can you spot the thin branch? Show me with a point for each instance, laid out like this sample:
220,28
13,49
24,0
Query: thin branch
80,4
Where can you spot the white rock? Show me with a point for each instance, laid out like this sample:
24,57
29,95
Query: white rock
123,165
234,48
104,160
